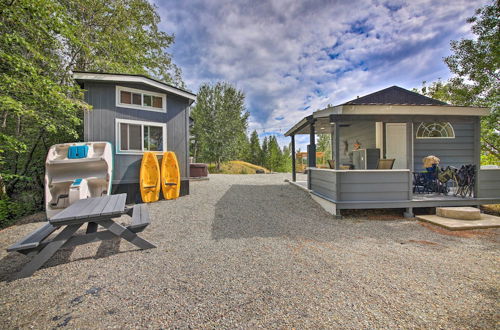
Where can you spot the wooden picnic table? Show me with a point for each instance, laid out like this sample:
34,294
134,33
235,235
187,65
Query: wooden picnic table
98,211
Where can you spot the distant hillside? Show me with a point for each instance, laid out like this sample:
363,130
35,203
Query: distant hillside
237,167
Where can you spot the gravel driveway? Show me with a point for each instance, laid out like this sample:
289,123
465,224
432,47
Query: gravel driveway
252,251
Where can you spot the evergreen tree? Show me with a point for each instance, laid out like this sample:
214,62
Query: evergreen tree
264,153
275,156
255,151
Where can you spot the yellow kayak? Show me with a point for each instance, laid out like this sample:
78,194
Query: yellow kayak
150,178
170,176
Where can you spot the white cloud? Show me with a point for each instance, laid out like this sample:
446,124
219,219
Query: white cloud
289,55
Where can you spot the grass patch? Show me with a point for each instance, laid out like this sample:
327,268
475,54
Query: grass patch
493,209
236,167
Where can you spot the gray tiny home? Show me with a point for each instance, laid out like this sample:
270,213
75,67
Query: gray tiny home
136,114
393,123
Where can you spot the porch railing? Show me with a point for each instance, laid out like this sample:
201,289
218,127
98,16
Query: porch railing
361,185
488,185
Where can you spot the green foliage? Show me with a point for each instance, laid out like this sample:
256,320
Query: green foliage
274,155
255,152
220,119
41,42
475,64
264,159
119,36
287,159
324,145
244,147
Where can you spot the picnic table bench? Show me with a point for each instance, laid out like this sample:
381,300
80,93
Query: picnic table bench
98,211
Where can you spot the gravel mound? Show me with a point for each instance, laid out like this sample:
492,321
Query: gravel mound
246,251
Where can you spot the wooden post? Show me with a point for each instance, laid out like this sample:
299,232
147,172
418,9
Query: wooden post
294,168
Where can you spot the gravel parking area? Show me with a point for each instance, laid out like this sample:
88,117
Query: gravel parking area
253,251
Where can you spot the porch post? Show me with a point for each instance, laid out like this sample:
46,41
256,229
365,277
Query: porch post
294,170
477,153
311,150
410,166
336,145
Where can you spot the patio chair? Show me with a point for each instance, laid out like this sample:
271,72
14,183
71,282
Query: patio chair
418,183
331,163
431,182
385,164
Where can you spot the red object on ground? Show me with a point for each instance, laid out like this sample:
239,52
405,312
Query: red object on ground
197,170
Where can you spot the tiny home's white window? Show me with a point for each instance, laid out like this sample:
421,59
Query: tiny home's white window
134,136
436,130
139,99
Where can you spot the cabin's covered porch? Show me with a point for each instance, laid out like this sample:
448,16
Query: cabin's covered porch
351,184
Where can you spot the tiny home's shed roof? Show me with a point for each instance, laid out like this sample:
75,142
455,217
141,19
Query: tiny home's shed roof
132,78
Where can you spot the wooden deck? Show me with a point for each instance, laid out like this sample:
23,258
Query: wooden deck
388,189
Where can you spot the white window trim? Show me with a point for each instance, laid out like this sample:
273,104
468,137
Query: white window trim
431,137
142,123
140,107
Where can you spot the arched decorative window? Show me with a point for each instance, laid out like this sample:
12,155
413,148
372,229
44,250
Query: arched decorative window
436,130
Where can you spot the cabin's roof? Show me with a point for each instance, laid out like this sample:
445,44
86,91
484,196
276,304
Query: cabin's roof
134,78
391,101
394,95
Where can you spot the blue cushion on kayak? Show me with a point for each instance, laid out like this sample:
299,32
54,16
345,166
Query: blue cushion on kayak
76,182
75,152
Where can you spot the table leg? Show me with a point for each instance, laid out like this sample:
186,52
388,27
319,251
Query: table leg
91,227
126,234
48,251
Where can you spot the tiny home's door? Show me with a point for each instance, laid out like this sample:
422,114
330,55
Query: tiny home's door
396,144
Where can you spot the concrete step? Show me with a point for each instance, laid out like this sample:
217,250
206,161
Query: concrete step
459,213
486,221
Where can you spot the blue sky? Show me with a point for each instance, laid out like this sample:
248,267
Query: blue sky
291,57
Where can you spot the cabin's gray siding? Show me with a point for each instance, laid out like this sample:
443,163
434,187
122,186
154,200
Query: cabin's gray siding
362,132
452,152
489,183
100,125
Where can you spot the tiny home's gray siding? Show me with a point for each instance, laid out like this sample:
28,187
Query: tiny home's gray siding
452,152
489,183
100,125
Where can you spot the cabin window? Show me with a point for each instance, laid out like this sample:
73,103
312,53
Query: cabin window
139,99
436,130
135,136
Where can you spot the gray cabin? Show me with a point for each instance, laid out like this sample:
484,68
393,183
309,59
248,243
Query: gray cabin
398,127
136,114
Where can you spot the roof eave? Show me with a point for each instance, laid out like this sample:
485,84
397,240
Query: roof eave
431,110
111,77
